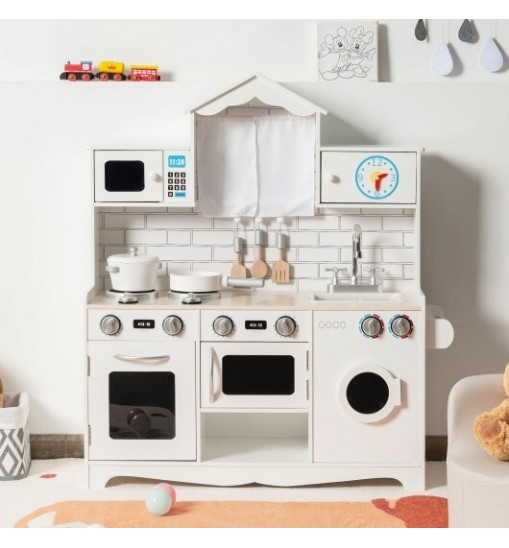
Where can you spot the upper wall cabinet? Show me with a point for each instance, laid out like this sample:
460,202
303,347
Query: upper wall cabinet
256,150
376,176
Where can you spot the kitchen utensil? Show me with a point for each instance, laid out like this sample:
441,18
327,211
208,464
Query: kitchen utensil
281,269
259,268
191,281
466,32
420,30
238,270
244,282
131,272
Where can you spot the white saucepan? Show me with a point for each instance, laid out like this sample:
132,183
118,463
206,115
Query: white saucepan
131,272
195,281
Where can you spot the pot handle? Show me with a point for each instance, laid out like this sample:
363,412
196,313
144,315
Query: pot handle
112,269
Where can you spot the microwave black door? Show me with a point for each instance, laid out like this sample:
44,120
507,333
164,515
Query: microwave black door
124,176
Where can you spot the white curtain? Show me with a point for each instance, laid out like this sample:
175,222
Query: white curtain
255,165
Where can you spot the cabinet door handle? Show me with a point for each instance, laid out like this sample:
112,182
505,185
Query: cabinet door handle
142,359
211,375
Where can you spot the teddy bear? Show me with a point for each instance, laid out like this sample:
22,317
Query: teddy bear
491,429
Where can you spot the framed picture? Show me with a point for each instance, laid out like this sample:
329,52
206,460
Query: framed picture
347,50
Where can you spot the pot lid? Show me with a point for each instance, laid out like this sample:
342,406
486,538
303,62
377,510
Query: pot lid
132,257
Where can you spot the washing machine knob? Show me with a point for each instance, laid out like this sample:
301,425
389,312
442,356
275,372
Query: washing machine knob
172,325
401,326
222,326
285,326
371,326
110,325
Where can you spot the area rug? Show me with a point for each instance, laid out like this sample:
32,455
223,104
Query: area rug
415,511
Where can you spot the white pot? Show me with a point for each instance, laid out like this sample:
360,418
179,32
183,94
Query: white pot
132,272
195,281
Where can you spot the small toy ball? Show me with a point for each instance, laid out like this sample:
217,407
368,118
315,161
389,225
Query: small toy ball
169,489
158,502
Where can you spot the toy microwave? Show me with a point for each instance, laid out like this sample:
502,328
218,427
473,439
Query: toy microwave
144,176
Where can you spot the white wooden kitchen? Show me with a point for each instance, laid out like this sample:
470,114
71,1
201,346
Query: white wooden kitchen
204,364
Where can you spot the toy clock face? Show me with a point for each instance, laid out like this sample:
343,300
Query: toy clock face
377,177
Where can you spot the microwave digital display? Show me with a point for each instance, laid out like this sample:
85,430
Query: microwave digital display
124,176
176,160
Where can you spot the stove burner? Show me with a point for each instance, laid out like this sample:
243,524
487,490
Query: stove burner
131,297
193,297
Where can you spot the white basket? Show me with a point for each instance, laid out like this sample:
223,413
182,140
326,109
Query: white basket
14,437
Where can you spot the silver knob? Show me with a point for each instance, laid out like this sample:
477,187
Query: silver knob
110,325
401,326
285,326
372,326
222,326
172,325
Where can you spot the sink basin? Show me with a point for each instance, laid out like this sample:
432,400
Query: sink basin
354,298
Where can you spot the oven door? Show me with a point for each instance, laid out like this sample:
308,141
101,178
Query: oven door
141,402
128,175
254,376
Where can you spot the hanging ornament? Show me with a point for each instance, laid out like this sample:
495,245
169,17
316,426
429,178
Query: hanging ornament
491,56
442,61
466,32
420,30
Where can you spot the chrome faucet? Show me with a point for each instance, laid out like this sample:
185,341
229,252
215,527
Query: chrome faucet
356,253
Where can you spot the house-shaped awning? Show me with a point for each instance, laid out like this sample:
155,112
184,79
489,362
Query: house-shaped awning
265,90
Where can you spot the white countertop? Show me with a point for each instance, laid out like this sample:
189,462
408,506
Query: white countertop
264,300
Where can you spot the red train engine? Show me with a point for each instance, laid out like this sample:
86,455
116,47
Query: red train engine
77,71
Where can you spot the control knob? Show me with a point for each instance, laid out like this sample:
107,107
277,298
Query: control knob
371,326
222,326
110,325
401,326
285,326
172,325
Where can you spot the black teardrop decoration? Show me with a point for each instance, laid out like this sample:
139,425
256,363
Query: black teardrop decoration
420,30
466,32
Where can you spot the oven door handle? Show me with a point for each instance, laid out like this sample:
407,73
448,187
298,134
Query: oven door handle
212,397
142,359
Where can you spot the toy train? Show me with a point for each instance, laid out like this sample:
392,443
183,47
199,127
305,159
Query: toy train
109,70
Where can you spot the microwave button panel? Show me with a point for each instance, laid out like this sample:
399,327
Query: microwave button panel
351,177
178,172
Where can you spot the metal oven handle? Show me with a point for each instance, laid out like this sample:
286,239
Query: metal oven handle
142,359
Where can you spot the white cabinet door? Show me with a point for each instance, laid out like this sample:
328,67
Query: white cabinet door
368,176
141,401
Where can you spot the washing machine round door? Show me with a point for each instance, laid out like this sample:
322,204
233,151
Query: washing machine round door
369,393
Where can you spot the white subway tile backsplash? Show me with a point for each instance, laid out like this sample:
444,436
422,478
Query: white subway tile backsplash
111,236
365,222
179,237
164,220
212,237
408,270
215,266
227,254
178,253
403,255
177,267
369,255
113,250
394,271
145,237
336,237
299,238
123,220
272,254
319,254
303,270
399,223
408,239
382,239
320,222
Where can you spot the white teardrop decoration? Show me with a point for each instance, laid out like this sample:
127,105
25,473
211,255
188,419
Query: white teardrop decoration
491,56
442,61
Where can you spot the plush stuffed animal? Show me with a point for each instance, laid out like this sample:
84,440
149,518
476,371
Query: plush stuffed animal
491,429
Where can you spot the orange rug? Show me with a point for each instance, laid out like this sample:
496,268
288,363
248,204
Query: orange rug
416,511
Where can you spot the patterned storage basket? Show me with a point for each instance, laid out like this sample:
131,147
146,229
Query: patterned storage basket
14,437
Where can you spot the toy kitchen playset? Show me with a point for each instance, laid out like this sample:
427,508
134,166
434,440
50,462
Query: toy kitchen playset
317,377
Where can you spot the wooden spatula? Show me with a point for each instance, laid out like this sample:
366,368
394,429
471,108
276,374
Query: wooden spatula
238,270
281,269
259,268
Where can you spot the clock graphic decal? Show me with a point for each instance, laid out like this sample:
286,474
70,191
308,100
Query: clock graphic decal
377,177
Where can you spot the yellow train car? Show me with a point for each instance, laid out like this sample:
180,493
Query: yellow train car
111,70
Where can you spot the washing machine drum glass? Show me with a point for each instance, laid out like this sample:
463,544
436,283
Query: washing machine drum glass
367,393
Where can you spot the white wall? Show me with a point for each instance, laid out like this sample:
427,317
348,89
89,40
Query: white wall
45,180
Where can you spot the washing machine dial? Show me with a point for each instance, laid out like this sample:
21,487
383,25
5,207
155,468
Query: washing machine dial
172,325
223,326
285,326
401,326
110,325
371,326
